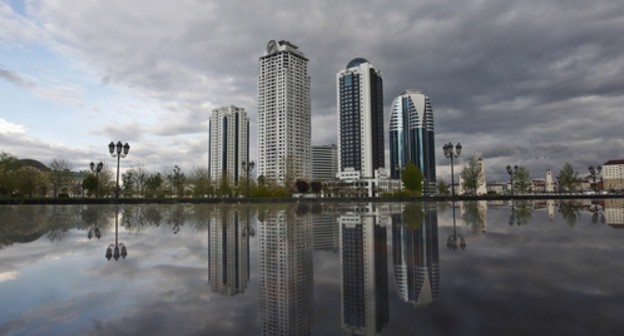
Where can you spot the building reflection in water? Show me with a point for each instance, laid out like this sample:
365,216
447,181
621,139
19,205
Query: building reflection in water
474,214
228,251
415,254
614,213
284,272
364,265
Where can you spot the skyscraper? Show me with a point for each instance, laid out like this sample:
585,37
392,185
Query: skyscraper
359,93
324,162
229,143
284,134
412,137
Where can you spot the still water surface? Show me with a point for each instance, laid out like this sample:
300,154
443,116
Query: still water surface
527,268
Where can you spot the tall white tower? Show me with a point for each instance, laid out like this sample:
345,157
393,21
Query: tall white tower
284,114
550,186
229,143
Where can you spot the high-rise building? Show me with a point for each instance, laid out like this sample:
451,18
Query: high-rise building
359,93
415,255
284,134
228,251
412,137
229,144
285,271
324,162
364,265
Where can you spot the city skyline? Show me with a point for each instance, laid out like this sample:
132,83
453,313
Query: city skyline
529,85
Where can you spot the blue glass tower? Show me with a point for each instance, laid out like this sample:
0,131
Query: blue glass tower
412,137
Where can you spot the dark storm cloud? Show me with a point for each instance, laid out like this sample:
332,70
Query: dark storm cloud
511,80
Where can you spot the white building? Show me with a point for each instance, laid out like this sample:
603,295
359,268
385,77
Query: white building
284,134
613,175
229,144
359,98
550,185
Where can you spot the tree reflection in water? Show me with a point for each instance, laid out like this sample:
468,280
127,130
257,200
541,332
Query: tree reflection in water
521,212
570,211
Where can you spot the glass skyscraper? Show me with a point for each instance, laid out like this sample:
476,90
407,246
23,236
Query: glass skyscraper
359,92
412,137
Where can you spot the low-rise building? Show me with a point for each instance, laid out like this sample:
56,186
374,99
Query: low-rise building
613,175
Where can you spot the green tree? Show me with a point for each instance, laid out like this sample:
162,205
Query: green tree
9,166
522,180
138,176
90,184
177,181
443,188
153,185
60,176
412,179
202,185
567,177
128,189
470,175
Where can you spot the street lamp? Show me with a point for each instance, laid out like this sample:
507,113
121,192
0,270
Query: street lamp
511,174
97,169
595,172
248,167
113,250
119,151
450,154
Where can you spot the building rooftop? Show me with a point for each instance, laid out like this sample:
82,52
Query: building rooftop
614,162
356,62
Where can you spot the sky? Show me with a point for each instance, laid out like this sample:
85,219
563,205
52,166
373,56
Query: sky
529,83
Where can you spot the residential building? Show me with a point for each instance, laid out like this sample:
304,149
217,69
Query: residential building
412,137
324,162
364,269
613,175
359,93
228,251
284,134
228,144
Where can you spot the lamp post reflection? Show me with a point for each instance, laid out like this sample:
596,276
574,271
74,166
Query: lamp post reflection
454,240
117,249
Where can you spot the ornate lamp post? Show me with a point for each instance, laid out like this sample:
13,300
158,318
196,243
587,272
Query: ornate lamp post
511,174
119,151
97,169
452,154
248,167
595,172
113,250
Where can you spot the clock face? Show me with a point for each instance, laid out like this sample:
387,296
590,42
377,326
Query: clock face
271,46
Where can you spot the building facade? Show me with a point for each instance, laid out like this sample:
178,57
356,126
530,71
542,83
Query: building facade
324,162
359,92
284,114
228,144
412,137
613,175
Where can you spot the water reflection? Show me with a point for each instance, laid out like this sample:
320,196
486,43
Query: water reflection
363,261
117,249
228,250
284,271
520,212
415,253
614,213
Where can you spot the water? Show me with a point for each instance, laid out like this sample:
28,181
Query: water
527,268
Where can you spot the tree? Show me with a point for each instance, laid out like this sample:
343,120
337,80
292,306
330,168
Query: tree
60,176
316,187
443,188
127,179
470,175
412,179
177,181
9,165
522,179
138,176
90,184
302,186
153,185
200,179
567,177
